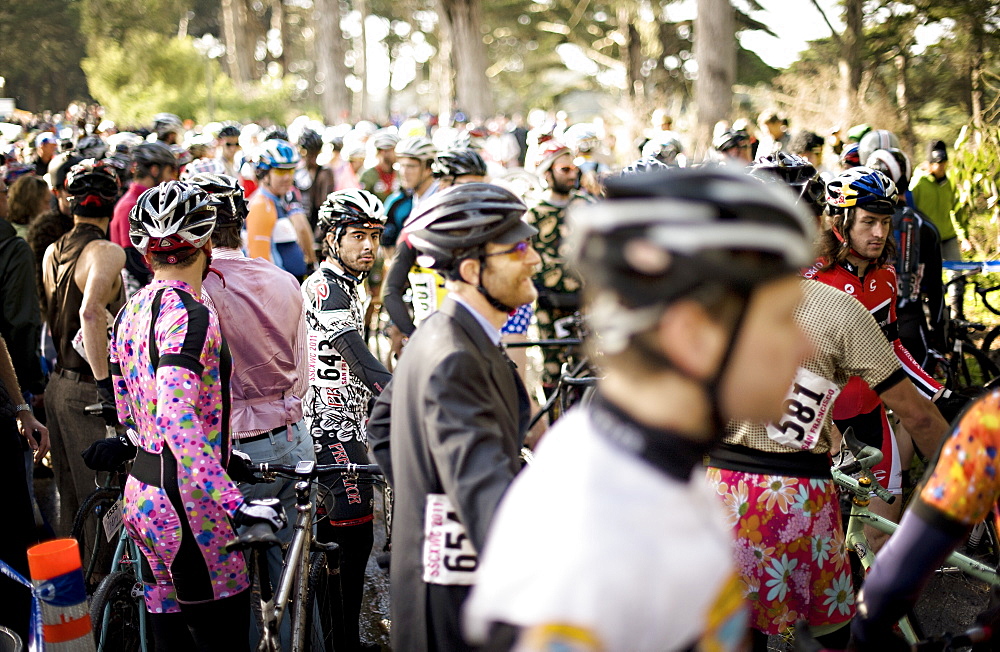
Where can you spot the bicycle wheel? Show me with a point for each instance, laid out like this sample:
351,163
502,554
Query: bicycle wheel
975,367
96,552
115,610
319,619
987,346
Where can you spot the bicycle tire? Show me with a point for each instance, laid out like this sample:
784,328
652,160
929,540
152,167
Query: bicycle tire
988,342
96,552
118,597
321,633
976,369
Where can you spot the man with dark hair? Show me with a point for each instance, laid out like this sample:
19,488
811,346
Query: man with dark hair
152,163
81,273
448,429
54,223
227,145
809,146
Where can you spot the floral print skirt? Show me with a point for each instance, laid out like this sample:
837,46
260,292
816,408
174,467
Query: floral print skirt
789,548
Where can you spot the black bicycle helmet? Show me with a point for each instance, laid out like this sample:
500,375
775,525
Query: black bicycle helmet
93,187
92,147
149,154
458,222
346,208
643,165
796,172
230,131
231,207
170,218
310,141
458,162
729,139
662,236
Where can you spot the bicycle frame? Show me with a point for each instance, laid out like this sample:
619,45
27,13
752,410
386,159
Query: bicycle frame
127,554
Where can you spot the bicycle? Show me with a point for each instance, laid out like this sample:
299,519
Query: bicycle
966,364
806,642
309,565
118,607
861,489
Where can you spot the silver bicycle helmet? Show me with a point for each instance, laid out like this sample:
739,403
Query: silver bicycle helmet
171,217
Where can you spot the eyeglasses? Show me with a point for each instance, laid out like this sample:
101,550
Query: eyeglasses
520,250
283,172
232,144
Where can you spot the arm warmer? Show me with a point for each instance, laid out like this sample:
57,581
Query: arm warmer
363,364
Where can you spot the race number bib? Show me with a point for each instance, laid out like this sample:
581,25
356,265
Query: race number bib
78,338
327,368
449,557
806,406
424,288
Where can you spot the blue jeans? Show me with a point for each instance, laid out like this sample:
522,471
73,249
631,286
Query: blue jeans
276,449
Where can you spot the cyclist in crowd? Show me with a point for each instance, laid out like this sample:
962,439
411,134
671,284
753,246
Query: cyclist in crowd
733,145
167,129
933,194
683,327
262,318
171,372
27,199
960,491
665,147
769,474
920,304
227,146
558,287
448,429
381,179
277,228
46,144
19,429
450,168
53,224
808,145
153,164
313,181
343,378
417,181
855,254
81,273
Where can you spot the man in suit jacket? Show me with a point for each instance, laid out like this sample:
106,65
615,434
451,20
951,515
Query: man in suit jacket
459,409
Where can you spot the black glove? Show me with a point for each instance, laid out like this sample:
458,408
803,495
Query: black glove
263,510
951,405
108,454
106,397
239,468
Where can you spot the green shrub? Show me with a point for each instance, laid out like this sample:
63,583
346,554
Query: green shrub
975,170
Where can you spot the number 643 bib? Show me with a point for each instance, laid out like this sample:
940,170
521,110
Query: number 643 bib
449,557
806,406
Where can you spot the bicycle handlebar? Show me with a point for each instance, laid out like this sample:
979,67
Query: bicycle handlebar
311,470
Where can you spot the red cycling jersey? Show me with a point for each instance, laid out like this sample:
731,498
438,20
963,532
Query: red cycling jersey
876,290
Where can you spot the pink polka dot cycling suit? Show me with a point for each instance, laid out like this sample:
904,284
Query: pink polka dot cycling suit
171,367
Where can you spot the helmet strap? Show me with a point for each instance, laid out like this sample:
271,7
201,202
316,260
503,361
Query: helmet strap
845,244
490,299
356,273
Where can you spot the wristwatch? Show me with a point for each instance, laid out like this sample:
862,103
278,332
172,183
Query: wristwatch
22,407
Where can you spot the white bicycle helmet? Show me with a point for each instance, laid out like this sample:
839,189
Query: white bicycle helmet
417,147
171,217
275,154
384,139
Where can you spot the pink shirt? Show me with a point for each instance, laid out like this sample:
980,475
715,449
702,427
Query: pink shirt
260,311
119,222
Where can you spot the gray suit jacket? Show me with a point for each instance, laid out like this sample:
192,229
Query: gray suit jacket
451,421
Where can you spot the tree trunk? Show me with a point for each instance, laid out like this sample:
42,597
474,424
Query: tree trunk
909,139
976,69
236,31
715,53
331,71
850,60
361,63
278,28
472,88
443,74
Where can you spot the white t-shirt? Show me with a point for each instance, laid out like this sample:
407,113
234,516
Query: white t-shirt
592,543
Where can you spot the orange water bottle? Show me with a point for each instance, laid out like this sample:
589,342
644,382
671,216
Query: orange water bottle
58,584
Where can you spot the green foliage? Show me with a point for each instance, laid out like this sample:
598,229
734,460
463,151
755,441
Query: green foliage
171,76
975,170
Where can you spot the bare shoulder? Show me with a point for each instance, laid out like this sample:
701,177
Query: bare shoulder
103,255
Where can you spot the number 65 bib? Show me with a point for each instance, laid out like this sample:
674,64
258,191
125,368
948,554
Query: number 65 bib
449,557
806,406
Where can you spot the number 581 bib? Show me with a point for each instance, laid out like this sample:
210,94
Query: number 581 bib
806,406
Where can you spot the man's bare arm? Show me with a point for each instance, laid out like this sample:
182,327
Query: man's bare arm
102,262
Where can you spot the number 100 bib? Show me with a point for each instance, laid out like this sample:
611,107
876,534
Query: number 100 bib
806,406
